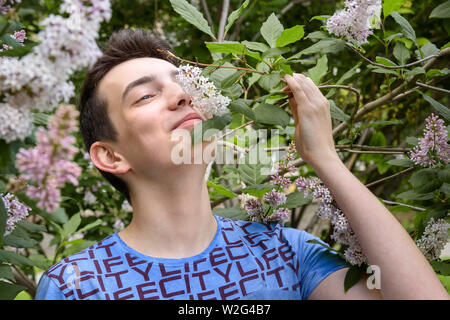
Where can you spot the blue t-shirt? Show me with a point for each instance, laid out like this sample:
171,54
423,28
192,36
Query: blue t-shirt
245,260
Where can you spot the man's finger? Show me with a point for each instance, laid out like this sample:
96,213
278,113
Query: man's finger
297,90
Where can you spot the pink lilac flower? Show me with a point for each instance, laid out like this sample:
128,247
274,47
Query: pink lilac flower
19,36
432,150
283,167
275,198
4,8
50,164
279,214
15,209
342,232
353,22
254,207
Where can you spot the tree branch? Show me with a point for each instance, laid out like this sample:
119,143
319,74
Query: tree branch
223,19
208,15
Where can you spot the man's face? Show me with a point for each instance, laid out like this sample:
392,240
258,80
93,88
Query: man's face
144,103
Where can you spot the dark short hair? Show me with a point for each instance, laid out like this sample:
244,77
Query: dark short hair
95,123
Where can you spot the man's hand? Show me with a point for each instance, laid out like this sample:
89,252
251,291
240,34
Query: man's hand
313,132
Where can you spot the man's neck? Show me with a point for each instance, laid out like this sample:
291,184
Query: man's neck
171,218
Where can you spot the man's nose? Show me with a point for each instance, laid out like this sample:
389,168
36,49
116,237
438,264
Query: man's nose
178,98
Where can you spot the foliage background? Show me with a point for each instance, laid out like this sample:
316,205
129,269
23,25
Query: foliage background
392,124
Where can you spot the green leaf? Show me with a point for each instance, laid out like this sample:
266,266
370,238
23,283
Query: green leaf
429,49
323,46
316,73
221,190
384,61
382,70
258,190
235,15
442,11
401,53
231,213
18,242
271,30
415,71
440,108
269,81
202,130
271,114
338,113
352,277
406,28
296,199
441,267
192,15
422,176
274,52
401,163
390,6
9,291
226,47
6,272
290,35
14,258
90,226
231,79
251,173
257,46
72,225
411,195
241,107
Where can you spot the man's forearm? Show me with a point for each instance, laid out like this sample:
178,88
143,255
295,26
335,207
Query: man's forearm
405,273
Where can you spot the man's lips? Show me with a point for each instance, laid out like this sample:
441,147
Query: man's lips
190,118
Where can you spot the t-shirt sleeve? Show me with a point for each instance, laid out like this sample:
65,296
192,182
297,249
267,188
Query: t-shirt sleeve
316,262
48,290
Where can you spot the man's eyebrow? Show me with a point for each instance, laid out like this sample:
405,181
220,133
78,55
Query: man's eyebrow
135,83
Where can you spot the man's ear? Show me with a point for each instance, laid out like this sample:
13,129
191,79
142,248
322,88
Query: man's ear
105,159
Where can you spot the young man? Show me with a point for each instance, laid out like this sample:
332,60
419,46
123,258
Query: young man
174,248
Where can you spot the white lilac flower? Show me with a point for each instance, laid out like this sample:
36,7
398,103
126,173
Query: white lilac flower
433,239
204,94
14,123
356,20
89,198
40,80
15,210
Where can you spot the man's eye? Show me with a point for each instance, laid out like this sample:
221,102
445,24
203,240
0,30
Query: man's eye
146,97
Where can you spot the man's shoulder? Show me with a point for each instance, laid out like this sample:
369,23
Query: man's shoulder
85,260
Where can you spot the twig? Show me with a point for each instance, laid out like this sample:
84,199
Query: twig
223,19
170,54
391,67
390,177
208,14
387,97
423,85
403,204
235,129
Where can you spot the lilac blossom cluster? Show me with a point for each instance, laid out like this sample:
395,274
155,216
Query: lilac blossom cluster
203,92
433,239
15,210
354,22
5,7
342,232
255,207
49,165
40,80
432,150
